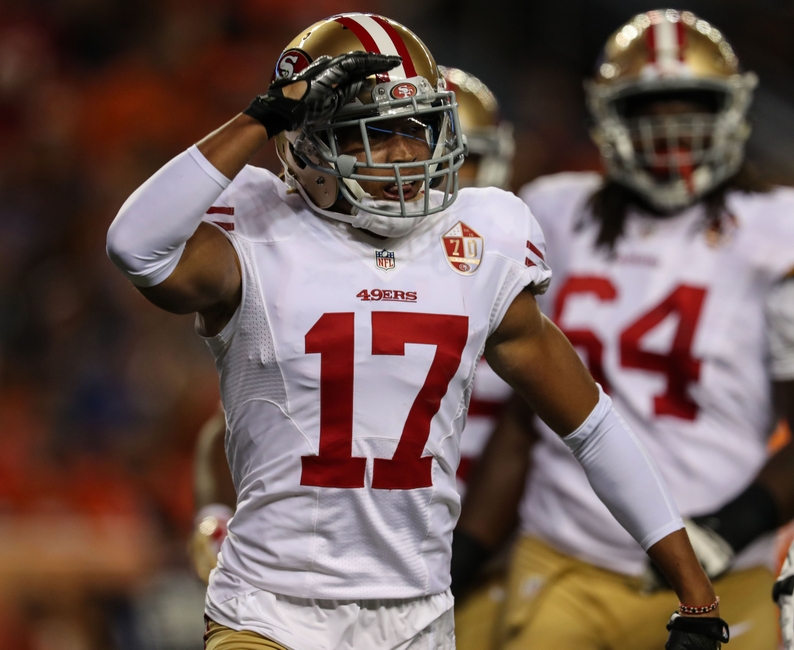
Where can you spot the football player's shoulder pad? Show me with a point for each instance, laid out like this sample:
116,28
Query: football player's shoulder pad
557,200
561,187
498,212
765,228
258,206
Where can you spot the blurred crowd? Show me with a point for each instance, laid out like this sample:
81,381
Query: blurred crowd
101,394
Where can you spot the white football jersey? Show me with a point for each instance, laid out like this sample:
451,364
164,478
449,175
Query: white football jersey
345,376
672,325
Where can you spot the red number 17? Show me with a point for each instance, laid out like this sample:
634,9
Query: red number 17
333,338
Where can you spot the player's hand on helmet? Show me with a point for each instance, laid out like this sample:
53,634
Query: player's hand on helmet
209,531
696,633
328,84
714,553
783,594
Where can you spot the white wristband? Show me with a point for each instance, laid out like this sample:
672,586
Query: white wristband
148,235
623,475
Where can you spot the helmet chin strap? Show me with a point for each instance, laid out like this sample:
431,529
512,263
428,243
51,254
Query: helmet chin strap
377,224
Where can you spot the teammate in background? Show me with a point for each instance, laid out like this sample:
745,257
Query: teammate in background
671,281
343,414
215,497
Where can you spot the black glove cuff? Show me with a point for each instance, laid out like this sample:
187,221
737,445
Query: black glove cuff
468,556
743,520
276,113
712,627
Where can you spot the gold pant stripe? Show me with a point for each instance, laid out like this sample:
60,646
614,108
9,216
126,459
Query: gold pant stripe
220,637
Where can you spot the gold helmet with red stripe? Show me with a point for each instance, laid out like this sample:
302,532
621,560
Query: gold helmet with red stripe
488,136
661,55
414,89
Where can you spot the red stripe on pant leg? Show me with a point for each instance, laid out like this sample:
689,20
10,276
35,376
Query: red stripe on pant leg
399,44
366,40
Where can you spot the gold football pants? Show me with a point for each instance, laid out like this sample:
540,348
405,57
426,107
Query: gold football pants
477,616
220,637
557,602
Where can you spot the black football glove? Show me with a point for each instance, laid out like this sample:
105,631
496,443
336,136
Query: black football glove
696,633
783,594
331,83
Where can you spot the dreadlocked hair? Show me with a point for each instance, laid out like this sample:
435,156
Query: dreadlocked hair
609,205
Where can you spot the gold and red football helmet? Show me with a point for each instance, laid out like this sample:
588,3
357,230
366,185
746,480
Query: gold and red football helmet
489,137
414,90
670,160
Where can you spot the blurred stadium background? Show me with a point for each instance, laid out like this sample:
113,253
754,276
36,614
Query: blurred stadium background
102,395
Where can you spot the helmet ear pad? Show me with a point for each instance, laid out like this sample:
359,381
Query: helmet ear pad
322,188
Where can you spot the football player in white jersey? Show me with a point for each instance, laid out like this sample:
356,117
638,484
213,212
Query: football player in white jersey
344,413
490,144
672,280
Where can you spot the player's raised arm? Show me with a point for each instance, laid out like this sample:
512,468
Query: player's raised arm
158,239
530,352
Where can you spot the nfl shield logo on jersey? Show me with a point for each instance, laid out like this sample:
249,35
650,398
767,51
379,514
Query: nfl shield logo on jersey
384,259
463,248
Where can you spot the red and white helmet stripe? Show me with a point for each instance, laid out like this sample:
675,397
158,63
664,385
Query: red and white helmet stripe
666,42
380,37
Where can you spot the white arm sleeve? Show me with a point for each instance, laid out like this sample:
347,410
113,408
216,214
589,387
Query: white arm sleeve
148,235
623,475
780,316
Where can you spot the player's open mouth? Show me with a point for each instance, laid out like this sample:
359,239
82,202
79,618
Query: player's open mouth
392,192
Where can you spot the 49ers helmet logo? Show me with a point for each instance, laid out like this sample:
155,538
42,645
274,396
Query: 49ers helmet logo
291,62
403,90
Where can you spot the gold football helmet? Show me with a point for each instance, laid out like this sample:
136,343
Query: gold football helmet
414,90
670,160
489,138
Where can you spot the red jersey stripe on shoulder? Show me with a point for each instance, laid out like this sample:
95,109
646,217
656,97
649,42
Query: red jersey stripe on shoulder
529,262
221,209
225,225
399,44
535,250
367,40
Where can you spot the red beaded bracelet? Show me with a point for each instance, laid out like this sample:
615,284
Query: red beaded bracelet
703,609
